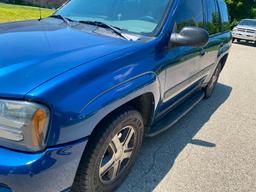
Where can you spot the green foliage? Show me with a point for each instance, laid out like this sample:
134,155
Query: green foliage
10,13
241,9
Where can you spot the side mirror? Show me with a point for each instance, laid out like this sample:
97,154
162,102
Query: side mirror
190,36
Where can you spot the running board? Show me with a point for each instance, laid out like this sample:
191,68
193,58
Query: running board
176,114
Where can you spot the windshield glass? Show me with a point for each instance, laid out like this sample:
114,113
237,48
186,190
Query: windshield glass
248,22
136,16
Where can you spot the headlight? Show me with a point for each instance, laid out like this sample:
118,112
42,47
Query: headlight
23,125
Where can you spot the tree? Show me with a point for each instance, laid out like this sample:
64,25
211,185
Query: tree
241,9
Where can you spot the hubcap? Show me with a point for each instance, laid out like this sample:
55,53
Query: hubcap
117,155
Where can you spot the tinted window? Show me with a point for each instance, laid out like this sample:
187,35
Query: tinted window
213,21
190,13
224,15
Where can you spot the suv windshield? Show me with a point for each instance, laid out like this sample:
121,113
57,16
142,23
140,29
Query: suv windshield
135,16
248,22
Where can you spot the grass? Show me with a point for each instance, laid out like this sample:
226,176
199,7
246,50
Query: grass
9,13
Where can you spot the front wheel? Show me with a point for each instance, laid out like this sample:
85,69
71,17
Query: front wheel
213,82
111,154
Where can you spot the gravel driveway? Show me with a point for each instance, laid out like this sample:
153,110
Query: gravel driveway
212,149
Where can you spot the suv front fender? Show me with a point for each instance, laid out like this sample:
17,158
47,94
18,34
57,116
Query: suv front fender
111,99
81,124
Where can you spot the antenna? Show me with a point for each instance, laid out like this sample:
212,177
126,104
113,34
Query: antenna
40,12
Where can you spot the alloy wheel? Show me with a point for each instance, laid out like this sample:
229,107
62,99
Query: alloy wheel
117,155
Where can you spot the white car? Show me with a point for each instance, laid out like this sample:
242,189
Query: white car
245,30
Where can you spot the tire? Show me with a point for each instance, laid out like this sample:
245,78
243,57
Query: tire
94,174
212,84
238,40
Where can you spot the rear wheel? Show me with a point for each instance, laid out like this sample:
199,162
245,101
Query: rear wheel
212,84
111,154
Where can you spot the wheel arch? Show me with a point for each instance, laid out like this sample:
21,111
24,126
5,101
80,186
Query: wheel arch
141,94
144,104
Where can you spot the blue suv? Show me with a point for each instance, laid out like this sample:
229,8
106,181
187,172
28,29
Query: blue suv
80,89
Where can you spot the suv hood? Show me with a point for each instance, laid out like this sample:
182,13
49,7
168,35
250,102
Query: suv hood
246,27
33,52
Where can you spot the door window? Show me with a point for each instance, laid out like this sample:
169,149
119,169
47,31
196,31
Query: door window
213,17
190,13
224,15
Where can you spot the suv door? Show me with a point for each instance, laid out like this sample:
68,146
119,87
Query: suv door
183,62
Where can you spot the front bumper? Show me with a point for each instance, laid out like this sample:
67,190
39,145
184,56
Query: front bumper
244,36
50,171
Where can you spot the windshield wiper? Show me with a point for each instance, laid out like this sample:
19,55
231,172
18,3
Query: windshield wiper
66,20
116,30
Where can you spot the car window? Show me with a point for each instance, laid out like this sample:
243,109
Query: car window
248,22
190,13
224,15
213,17
135,16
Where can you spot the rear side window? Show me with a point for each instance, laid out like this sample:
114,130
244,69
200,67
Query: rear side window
213,17
190,13
224,15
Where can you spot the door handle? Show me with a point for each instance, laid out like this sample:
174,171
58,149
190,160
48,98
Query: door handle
202,52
